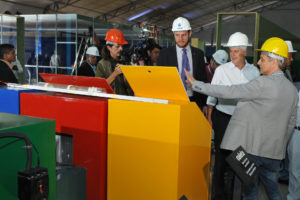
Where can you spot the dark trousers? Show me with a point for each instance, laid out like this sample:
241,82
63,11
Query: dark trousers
222,183
197,101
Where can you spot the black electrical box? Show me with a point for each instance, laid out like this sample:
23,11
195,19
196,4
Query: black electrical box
33,184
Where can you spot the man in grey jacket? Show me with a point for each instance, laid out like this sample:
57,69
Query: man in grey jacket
265,116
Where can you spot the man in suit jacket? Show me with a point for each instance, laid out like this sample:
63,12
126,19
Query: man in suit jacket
173,56
265,116
7,56
88,67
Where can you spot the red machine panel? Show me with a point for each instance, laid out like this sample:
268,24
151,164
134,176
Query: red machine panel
86,119
77,80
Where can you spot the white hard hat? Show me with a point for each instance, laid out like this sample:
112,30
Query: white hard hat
290,46
93,51
220,56
238,39
181,24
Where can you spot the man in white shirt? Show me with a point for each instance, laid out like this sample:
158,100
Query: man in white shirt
236,72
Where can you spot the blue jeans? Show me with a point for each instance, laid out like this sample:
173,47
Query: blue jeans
284,168
267,174
294,180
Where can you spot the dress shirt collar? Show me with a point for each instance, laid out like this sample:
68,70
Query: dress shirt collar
244,68
179,49
279,72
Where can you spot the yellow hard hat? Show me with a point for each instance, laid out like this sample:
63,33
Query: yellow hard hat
275,45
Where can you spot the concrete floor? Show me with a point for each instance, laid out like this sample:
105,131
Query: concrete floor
283,190
262,195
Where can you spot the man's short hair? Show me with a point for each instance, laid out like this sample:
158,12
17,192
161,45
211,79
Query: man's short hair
275,56
244,48
5,49
151,48
151,44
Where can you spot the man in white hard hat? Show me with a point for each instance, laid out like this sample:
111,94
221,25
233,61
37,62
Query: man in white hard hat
288,62
237,71
220,57
88,67
184,56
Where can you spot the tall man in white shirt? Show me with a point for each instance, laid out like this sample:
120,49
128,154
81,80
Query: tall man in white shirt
238,71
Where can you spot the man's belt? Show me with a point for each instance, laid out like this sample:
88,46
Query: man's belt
297,128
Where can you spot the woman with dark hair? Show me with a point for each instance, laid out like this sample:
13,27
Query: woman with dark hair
108,66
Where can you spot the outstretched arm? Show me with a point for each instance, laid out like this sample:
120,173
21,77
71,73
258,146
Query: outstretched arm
249,90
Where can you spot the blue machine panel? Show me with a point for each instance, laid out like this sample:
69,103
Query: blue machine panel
10,100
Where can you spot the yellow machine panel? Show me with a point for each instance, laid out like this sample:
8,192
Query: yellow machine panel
156,82
157,151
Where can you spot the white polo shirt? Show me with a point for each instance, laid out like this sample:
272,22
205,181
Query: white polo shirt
228,74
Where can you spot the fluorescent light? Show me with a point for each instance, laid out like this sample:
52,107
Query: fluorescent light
140,14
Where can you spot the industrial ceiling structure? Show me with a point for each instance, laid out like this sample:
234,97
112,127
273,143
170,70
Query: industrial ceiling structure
201,13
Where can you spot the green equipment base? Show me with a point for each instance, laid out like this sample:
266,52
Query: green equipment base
13,156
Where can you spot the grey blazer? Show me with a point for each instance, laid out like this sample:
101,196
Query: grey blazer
265,116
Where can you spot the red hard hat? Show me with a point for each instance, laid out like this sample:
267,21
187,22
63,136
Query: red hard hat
116,36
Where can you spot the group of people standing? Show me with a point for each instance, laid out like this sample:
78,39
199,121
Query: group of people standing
109,66
246,106
255,109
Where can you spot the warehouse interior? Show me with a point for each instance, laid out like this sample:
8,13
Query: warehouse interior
138,18
85,141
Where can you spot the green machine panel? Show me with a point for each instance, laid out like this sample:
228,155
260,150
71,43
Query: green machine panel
13,156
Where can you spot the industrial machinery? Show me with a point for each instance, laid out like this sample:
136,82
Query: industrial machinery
33,182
